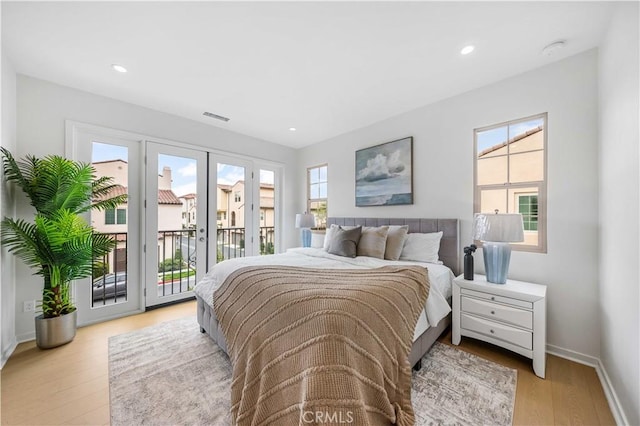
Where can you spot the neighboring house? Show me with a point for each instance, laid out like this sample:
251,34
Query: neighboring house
114,221
231,205
231,211
529,146
189,204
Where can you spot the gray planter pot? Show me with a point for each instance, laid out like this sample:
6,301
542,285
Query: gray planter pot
52,332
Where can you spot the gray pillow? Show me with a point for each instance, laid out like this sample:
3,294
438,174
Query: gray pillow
395,241
373,241
345,242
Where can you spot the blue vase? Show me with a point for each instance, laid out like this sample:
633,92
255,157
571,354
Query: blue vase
496,261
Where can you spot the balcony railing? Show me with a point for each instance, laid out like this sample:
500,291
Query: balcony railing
109,278
231,242
177,267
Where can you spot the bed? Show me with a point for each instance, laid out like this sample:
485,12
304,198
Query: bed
431,324
316,335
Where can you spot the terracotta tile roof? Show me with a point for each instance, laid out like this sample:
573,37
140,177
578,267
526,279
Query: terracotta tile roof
166,196
117,190
188,196
512,140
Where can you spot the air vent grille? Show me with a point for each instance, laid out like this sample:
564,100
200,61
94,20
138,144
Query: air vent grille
216,116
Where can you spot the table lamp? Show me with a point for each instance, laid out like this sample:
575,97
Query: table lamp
496,231
306,221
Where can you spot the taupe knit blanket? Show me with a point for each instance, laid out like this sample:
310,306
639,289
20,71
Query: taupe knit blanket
318,346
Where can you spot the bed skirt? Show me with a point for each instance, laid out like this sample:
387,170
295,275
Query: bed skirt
209,324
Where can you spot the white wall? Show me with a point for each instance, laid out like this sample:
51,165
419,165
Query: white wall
42,109
619,207
7,208
443,180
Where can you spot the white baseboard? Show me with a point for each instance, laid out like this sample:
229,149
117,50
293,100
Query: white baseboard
612,397
578,357
8,352
607,387
26,337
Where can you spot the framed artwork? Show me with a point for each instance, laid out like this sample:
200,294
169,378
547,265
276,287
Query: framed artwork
384,174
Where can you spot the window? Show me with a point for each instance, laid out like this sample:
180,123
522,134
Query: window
317,194
237,197
528,207
233,218
112,217
261,215
510,175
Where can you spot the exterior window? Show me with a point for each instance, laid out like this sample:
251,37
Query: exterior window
233,218
110,217
237,196
510,175
317,184
121,217
261,215
528,207
113,217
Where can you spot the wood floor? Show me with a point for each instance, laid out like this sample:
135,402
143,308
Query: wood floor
70,384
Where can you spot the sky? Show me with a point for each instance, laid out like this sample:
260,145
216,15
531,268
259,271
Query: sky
498,135
183,170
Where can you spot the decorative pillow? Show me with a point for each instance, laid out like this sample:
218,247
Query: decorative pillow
345,242
328,235
317,239
395,241
373,241
422,247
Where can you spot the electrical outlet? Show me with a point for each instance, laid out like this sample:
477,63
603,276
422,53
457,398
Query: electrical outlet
29,306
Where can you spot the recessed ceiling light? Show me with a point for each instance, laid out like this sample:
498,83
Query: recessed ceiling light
292,129
553,47
467,49
118,68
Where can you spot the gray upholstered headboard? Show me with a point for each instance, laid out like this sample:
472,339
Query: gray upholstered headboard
449,245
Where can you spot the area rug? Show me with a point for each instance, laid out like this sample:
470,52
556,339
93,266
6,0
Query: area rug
171,374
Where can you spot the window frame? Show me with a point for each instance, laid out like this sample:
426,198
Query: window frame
316,200
541,247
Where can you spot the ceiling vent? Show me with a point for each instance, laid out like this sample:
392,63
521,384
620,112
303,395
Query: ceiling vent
216,116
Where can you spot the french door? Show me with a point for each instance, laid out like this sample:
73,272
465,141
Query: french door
176,222
114,288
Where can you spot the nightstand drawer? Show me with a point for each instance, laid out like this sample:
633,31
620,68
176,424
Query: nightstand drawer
494,298
515,316
499,331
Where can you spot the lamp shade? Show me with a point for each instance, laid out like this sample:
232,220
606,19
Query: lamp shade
504,228
305,220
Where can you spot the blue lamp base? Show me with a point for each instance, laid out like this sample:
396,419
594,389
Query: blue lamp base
496,261
306,237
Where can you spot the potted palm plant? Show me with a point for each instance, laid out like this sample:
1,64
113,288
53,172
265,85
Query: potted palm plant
58,244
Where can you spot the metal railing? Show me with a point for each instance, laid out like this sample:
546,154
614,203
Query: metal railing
231,242
177,267
109,278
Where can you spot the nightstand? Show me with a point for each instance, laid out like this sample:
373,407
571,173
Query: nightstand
511,315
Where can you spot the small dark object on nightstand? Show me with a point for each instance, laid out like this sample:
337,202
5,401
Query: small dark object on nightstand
468,262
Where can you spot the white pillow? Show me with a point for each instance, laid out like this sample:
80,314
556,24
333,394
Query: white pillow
422,247
328,235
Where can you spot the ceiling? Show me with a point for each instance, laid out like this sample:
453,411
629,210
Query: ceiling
325,68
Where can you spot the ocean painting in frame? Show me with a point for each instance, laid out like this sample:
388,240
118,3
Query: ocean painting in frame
384,174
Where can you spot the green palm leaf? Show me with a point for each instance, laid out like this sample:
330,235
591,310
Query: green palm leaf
59,244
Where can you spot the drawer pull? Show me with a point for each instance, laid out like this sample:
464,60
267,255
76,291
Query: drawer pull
492,331
493,312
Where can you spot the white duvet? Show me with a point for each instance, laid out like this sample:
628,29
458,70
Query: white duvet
440,276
